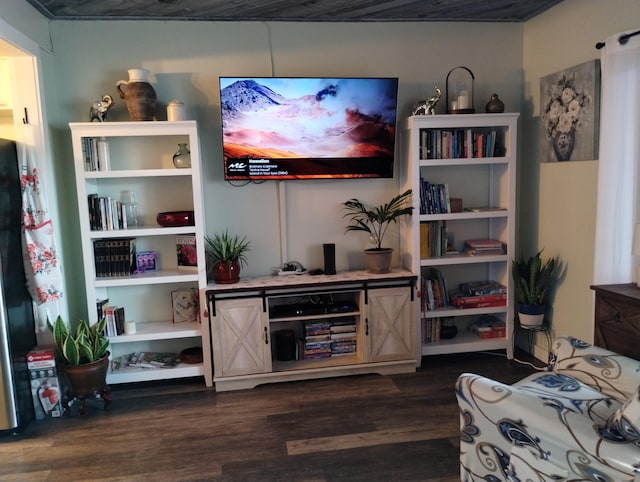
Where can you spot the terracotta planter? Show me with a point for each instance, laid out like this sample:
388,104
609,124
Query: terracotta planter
378,260
226,272
87,378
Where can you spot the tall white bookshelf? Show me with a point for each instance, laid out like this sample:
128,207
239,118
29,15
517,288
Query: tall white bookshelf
486,183
140,156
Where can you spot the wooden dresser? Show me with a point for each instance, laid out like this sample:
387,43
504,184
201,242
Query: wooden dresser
617,318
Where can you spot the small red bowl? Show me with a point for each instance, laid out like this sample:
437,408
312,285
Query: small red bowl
175,218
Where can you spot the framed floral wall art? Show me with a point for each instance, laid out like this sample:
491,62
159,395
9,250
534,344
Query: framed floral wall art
570,113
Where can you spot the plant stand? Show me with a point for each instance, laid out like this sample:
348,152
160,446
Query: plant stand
104,393
87,380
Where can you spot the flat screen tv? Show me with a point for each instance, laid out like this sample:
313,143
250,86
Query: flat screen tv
308,128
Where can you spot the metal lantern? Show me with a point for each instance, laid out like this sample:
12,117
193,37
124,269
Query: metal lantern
460,91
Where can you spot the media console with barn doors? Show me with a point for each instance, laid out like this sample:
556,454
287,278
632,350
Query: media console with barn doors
285,328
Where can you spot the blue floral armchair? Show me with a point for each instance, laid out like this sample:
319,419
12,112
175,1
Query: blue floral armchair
578,421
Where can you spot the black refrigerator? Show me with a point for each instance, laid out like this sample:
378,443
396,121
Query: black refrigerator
17,327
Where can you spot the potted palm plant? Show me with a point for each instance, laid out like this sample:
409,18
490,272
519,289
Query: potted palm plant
226,254
533,278
375,221
85,353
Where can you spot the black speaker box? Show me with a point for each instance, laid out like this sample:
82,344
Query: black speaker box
329,258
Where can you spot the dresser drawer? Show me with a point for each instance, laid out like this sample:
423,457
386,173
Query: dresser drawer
617,319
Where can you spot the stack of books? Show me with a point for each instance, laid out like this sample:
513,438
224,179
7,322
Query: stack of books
479,294
488,326
343,336
483,247
317,339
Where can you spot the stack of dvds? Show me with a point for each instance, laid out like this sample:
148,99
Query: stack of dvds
343,336
317,339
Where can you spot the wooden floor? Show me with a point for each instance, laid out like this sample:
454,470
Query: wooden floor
359,428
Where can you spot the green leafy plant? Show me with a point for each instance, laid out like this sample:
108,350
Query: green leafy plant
533,277
84,344
225,247
376,220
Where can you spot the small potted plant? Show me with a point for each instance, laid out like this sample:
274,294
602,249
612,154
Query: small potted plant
375,221
85,353
533,278
226,254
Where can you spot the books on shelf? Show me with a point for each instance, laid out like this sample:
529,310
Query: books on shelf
481,247
434,198
435,240
114,257
435,294
106,213
431,328
460,143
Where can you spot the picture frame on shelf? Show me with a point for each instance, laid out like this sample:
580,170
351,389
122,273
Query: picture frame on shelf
185,305
146,261
186,252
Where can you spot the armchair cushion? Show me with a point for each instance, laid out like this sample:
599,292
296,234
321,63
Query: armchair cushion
625,421
612,374
580,421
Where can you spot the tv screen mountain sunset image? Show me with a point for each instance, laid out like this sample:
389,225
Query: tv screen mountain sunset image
308,127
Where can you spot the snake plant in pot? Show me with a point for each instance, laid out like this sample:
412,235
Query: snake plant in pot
375,221
533,278
85,350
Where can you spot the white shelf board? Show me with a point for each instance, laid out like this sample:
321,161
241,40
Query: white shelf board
465,161
142,231
125,173
160,331
453,311
497,213
462,259
464,342
129,375
148,278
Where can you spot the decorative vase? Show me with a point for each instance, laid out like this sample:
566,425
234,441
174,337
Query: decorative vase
563,143
182,158
448,329
530,316
226,272
138,94
495,105
378,260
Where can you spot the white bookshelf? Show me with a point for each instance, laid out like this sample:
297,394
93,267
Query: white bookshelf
141,159
487,182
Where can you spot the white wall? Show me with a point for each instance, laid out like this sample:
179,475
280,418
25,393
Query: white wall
563,204
186,58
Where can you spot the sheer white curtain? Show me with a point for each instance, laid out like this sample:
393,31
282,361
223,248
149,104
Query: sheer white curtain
618,207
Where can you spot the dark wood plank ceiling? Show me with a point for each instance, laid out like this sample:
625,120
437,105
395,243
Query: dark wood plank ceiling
296,10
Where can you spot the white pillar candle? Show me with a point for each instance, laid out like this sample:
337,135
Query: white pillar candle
463,100
129,327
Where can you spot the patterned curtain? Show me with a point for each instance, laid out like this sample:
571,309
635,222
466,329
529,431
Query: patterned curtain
44,279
